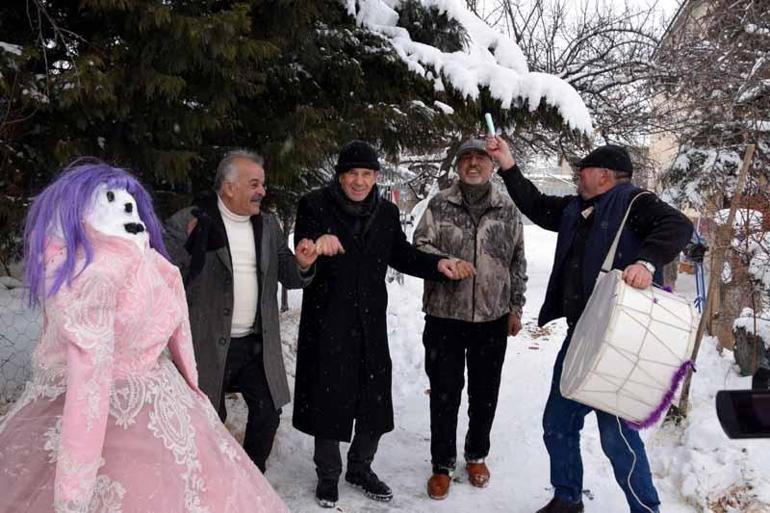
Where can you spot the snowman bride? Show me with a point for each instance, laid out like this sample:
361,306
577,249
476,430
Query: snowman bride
113,420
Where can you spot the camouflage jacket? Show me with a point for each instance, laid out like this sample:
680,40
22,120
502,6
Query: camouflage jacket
495,247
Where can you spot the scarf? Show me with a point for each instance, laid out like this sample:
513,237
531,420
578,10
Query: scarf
476,198
357,214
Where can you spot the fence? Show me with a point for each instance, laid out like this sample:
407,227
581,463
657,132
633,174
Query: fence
19,331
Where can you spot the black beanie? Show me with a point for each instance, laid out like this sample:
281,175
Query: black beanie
611,157
357,154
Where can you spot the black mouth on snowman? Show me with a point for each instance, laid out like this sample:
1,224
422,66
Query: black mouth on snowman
134,228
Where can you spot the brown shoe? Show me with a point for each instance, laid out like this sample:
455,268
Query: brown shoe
438,486
478,474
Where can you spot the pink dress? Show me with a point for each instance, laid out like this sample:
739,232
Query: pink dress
112,422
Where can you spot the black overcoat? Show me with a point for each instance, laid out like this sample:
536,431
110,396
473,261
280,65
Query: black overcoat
343,361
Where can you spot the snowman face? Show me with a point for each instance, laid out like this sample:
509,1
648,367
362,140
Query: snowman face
113,211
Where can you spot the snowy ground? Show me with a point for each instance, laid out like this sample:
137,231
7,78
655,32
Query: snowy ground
696,468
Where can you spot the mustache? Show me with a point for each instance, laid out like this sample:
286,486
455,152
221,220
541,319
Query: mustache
257,198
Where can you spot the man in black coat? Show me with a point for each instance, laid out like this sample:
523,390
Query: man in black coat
587,223
343,362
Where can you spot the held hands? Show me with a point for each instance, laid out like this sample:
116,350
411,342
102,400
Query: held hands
308,251
455,269
638,276
305,253
514,324
328,245
498,149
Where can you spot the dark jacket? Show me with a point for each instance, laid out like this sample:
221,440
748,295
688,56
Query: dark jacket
655,232
206,266
343,360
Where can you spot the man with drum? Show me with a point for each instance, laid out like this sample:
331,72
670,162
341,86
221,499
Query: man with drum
587,223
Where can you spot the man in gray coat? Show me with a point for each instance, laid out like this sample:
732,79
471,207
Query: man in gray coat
469,320
232,255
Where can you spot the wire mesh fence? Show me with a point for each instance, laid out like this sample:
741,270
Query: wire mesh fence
19,331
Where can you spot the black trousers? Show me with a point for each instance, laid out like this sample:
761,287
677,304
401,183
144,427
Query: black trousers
448,345
761,379
245,373
328,461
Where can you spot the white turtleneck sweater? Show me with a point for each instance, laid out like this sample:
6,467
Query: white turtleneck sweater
240,236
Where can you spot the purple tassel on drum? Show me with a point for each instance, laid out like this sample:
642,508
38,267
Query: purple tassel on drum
676,380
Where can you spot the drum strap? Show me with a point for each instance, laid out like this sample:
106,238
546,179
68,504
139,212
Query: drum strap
610,258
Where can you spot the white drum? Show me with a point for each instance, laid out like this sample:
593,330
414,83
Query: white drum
630,350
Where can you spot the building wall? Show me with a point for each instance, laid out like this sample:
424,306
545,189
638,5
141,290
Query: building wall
663,146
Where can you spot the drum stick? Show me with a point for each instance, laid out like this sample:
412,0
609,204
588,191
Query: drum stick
490,124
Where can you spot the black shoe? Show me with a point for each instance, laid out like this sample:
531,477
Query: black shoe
371,484
559,506
326,493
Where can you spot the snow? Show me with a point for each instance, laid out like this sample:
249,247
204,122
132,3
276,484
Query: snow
756,29
754,92
446,109
743,217
696,468
8,47
759,266
697,173
491,59
747,321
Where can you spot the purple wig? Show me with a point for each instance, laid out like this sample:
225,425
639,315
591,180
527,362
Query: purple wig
63,204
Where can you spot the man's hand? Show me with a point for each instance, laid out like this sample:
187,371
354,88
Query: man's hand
455,269
305,253
514,324
498,149
638,276
328,245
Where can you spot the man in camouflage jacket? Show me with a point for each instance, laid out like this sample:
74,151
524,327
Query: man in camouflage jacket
470,319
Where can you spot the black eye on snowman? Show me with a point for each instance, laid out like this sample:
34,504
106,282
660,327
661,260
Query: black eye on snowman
110,196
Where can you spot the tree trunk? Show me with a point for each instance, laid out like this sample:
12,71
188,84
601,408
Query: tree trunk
715,278
287,220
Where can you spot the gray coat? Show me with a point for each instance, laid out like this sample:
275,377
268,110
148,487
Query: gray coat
209,287
495,246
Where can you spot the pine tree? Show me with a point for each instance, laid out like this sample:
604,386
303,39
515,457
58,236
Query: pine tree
141,83
166,86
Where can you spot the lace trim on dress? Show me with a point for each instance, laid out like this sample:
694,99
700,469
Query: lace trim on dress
169,399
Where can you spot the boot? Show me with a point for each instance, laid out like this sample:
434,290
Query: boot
438,486
559,506
326,493
478,474
371,484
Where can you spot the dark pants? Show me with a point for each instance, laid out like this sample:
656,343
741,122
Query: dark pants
562,422
360,455
761,379
245,373
448,344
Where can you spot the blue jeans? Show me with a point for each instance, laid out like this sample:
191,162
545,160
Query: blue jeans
562,422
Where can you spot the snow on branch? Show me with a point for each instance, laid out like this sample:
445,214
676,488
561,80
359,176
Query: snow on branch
8,47
490,59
